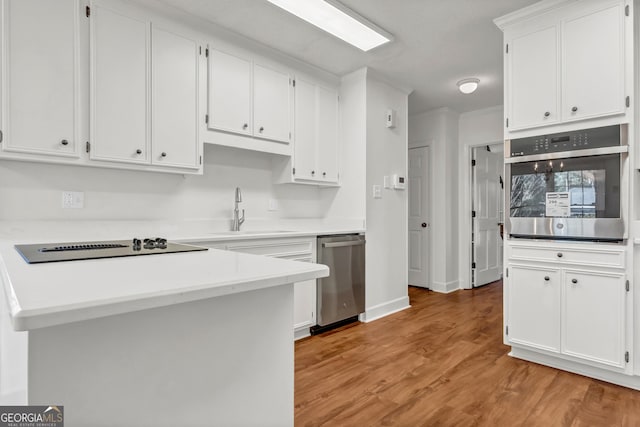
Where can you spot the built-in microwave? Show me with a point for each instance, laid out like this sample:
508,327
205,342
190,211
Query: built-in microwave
567,185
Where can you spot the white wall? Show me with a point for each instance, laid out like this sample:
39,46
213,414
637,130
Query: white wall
438,129
386,154
31,191
479,127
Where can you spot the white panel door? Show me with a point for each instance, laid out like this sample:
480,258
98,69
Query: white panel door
593,316
532,81
534,307
593,64
229,93
304,147
419,227
271,104
327,134
487,244
174,100
40,98
119,87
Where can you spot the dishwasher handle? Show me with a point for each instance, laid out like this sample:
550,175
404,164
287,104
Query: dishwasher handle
343,244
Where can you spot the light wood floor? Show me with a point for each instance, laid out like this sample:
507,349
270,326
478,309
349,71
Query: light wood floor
442,363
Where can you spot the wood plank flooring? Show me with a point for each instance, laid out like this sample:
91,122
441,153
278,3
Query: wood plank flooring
442,363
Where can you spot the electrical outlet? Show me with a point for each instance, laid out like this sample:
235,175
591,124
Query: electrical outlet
377,192
72,199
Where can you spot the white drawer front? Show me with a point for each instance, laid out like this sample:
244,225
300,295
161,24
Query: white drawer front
614,258
275,248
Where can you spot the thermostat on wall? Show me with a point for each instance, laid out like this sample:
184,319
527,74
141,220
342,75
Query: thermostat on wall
399,182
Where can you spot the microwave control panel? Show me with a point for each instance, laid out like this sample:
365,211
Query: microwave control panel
608,136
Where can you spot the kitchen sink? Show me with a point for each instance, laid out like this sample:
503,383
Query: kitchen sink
256,232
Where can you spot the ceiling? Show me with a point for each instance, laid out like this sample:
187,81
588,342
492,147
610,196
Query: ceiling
437,43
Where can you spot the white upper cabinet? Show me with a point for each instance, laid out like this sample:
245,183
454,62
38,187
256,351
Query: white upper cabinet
230,93
327,128
316,142
566,65
533,68
248,98
174,100
271,104
40,67
306,113
593,64
120,89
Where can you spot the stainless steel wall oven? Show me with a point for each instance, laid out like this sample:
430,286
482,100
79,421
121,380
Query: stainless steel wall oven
567,185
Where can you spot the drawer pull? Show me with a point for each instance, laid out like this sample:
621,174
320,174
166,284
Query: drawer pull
574,281
559,254
546,278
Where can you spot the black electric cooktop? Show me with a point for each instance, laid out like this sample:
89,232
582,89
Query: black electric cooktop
75,251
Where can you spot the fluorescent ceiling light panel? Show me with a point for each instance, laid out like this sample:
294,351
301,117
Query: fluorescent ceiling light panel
338,20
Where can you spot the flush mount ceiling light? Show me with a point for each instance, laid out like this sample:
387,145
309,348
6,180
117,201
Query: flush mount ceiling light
338,20
468,86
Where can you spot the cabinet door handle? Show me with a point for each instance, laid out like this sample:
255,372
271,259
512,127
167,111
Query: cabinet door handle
245,126
424,225
574,109
559,254
261,129
138,151
547,114
64,142
163,154
324,174
313,173
574,281
546,278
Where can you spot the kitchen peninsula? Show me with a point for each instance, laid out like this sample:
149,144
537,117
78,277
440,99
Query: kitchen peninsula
175,339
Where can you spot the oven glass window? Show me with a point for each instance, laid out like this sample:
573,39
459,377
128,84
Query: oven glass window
582,187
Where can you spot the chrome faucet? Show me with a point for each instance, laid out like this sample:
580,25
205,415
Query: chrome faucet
237,220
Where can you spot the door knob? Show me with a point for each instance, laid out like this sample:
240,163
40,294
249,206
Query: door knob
424,225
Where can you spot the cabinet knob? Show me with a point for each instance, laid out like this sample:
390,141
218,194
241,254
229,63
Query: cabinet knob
574,281
261,129
424,225
559,254
546,278
138,151
547,114
324,174
245,126
574,109
313,173
64,142
163,154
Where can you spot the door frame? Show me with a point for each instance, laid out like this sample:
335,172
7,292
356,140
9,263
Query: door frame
429,145
464,213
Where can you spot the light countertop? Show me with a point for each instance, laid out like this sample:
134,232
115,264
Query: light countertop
41,295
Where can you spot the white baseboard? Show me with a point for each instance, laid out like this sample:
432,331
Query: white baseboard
445,287
385,309
299,333
630,381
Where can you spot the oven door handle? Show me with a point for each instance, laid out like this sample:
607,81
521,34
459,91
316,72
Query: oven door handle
566,154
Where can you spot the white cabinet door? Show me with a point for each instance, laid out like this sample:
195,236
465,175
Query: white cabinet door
533,79
534,307
271,104
593,64
304,302
593,316
304,148
229,93
175,98
327,134
119,87
40,99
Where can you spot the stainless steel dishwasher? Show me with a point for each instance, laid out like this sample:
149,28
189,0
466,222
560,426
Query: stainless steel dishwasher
340,297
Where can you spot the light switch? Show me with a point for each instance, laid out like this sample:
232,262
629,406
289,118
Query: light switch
387,181
377,192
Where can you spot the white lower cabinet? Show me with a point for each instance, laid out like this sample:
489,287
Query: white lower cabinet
295,249
576,311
